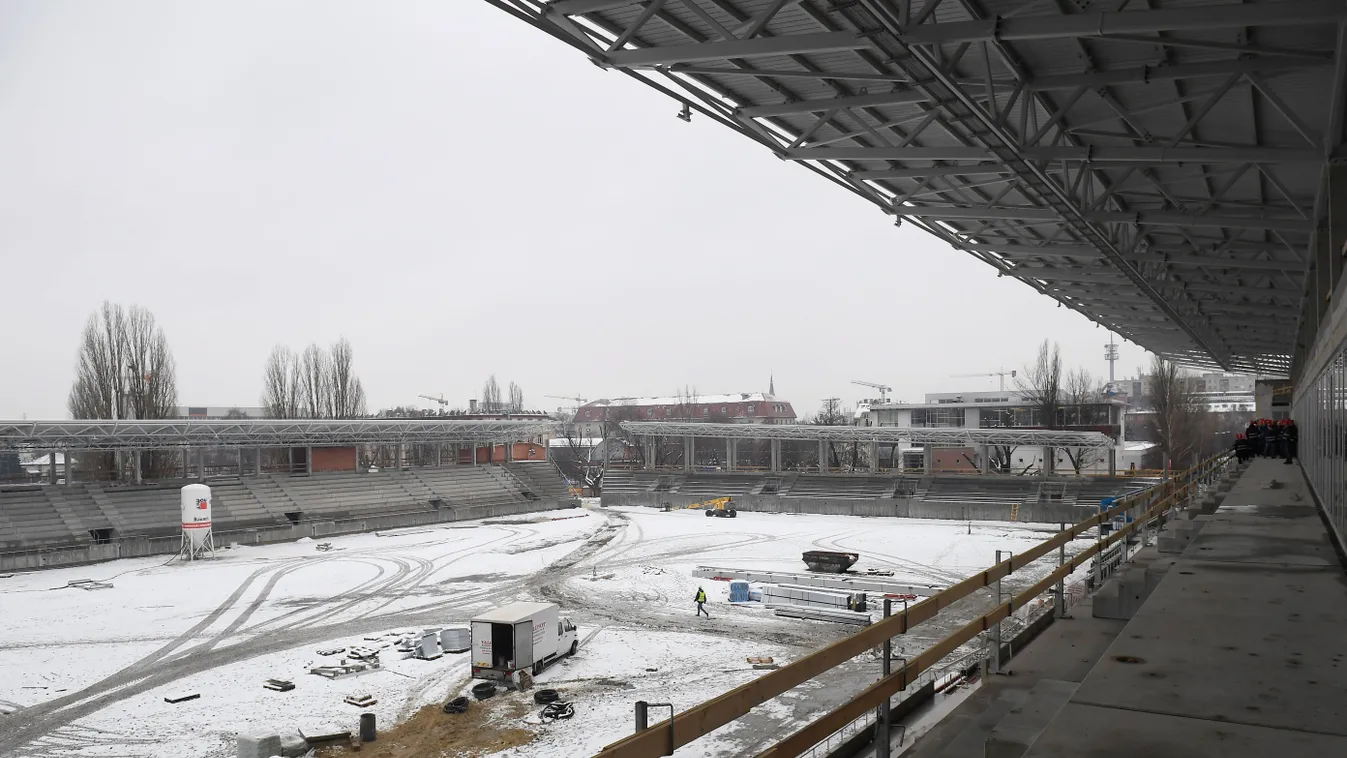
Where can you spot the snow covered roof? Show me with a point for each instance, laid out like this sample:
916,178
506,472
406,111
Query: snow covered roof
742,397
513,613
577,441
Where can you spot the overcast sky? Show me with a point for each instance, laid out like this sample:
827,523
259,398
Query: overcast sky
458,194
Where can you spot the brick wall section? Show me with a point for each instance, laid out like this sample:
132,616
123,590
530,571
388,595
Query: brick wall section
333,459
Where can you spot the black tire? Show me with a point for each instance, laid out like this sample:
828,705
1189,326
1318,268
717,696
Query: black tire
457,705
733,513
543,697
575,646
484,690
709,514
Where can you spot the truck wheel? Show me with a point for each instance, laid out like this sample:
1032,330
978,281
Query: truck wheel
575,646
733,513
709,514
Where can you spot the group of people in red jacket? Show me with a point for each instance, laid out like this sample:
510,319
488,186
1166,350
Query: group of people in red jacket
1265,438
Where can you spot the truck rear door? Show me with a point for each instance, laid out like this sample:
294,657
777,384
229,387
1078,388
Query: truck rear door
481,644
523,644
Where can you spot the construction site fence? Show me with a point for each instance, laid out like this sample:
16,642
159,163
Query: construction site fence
1139,509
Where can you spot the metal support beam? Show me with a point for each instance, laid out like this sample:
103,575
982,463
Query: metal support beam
896,97
795,44
979,169
1087,25
1156,155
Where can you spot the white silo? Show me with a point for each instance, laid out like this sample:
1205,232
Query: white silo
196,522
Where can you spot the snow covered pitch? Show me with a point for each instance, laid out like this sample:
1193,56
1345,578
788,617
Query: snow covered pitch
87,670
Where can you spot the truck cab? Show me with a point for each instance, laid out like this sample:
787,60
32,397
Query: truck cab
520,637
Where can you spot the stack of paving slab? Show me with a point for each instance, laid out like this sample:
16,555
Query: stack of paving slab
455,639
813,597
856,582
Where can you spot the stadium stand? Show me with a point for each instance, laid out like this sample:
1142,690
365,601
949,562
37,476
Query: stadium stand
841,487
619,482
42,517
541,478
982,490
718,485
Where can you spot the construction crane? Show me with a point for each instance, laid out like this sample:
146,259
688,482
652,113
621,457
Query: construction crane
439,399
1001,375
883,389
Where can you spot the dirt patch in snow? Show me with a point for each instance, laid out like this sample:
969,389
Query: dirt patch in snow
432,733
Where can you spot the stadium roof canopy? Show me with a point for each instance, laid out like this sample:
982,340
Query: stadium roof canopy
882,434
154,435
1161,168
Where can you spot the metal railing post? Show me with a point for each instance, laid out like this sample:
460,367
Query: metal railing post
882,717
996,632
1061,583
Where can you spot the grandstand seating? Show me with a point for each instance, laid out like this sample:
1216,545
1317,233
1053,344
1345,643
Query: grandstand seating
842,487
1094,490
718,485
623,482
982,489
58,515
541,478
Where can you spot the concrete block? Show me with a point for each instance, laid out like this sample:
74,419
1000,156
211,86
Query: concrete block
1132,591
1156,572
1022,726
293,745
1111,601
258,745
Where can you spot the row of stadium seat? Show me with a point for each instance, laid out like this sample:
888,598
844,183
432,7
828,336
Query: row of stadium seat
57,515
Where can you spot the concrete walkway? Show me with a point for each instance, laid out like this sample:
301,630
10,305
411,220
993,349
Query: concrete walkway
1238,652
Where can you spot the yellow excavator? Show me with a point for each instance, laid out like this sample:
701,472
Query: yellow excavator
719,507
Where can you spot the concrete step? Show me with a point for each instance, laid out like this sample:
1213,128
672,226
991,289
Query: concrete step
972,739
1179,534
1022,726
1122,596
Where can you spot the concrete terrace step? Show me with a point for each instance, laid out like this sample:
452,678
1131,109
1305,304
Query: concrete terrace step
68,515
109,510
1021,727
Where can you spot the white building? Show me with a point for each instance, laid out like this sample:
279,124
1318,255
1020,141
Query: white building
1001,409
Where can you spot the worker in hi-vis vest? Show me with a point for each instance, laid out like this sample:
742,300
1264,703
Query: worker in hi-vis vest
701,602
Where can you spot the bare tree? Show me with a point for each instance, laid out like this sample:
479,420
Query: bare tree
832,413
491,395
516,398
1081,390
317,384
280,384
1179,414
124,370
1041,386
347,393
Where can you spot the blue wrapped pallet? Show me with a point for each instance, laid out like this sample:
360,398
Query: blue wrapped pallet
739,591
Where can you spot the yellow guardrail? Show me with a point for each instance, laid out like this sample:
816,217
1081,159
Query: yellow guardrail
699,720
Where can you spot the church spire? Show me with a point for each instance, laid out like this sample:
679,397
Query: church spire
771,385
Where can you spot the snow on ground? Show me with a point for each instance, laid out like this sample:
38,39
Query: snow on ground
620,666
90,667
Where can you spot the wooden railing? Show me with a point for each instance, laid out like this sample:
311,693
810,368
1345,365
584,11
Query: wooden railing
659,739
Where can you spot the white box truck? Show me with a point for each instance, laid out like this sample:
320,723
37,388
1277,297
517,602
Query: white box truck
520,637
